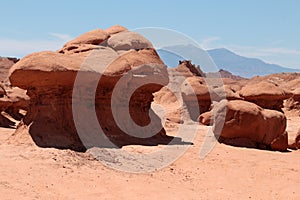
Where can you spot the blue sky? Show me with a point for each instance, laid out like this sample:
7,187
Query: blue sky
266,29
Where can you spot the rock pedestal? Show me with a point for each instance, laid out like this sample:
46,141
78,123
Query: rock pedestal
92,75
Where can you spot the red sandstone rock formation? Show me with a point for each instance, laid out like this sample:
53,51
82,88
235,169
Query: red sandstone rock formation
114,54
293,103
12,99
5,65
187,69
265,94
249,125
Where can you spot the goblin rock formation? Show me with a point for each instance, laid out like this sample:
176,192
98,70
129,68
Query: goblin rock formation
170,97
5,65
187,69
265,94
249,125
13,100
107,73
293,103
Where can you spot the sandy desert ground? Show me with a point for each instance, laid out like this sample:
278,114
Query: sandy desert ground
30,172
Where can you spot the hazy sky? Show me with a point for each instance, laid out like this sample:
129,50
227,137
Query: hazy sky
266,29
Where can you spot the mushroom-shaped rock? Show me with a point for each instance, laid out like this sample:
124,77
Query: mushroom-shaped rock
245,124
265,94
66,87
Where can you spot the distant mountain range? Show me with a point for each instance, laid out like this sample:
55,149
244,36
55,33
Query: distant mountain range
223,59
243,66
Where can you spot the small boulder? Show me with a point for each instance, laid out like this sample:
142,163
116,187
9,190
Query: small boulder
115,29
95,37
248,125
187,69
206,118
126,40
293,103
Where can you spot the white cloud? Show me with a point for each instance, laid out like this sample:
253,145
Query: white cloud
281,51
61,36
20,48
208,43
260,51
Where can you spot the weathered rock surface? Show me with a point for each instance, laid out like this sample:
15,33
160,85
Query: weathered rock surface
265,94
5,65
249,125
187,69
127,40
196,95
293,103
49,78
294,141
13,100
94,37
196,91
226,74
206,118
170,96
115,29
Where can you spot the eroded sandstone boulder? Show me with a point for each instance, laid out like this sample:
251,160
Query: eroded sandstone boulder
83,77
170,96
187,69
115,29
127,40
5,65
13,103
206,118
265,94
245,124
199,94
293,103
196,95
13,100
19,102
294,140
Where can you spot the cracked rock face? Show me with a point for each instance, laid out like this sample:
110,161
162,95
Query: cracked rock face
115,67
